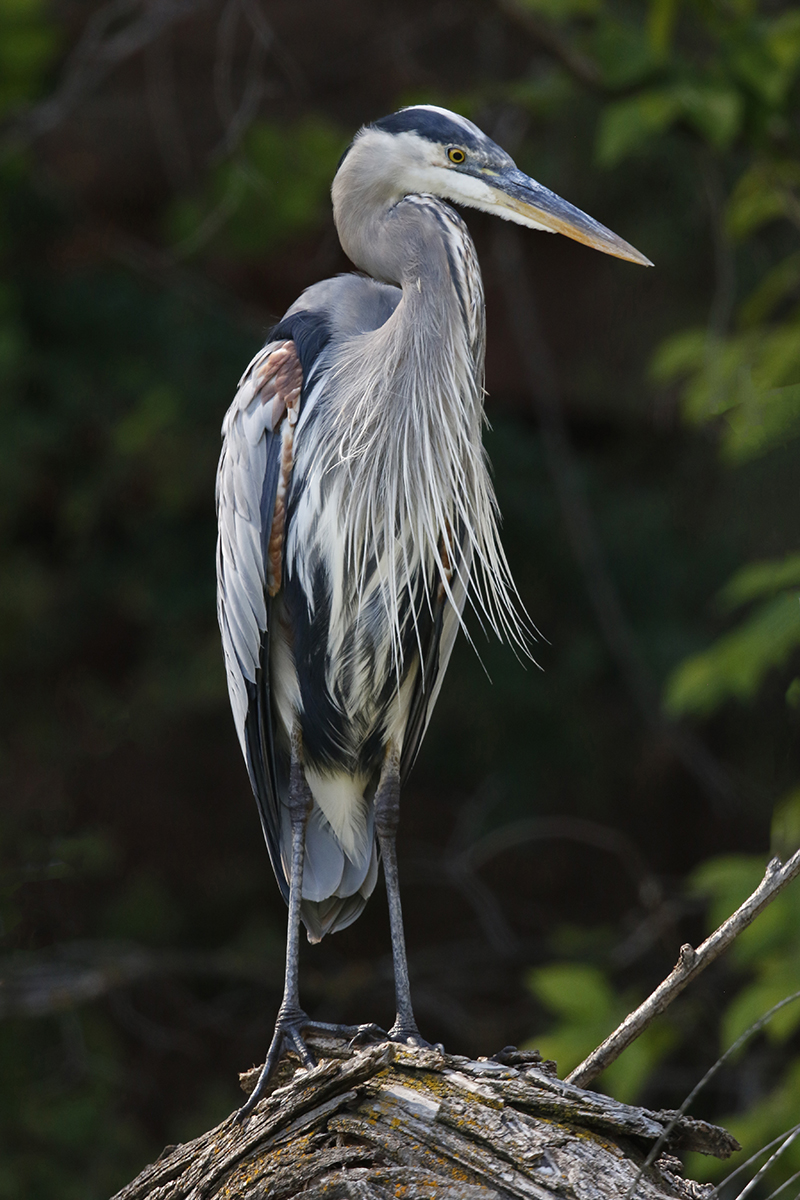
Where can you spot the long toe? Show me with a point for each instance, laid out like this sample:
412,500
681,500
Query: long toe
288,1035
355,1035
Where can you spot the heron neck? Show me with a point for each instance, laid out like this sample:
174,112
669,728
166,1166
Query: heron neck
420,244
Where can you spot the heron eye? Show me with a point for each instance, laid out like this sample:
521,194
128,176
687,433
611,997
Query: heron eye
456,154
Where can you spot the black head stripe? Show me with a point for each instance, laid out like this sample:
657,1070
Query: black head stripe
434,126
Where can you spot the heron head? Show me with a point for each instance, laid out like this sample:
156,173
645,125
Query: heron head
425,149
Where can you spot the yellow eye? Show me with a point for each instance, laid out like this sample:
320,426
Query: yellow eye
456,154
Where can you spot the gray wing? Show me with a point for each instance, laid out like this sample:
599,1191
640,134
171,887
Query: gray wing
249,563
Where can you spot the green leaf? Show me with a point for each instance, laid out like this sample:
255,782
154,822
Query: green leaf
758,998
727,881
574,990
774,937
777,284
563,10
749,378
785,828
714,110
583,999
661,24
625,1078
28,43
682,354
765,56
783,39
766,192
624,52
275,190
771,419
628,125
735,665
589,1009
751,61
760,579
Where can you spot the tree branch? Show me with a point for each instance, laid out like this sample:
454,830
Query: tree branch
387,1119
113,34
689,965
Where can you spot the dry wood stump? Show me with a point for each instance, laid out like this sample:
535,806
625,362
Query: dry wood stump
386,1121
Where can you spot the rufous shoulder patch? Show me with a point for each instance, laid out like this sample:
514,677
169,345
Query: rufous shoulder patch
280,385
279,381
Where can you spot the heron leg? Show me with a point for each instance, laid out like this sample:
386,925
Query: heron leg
292,1020
387,817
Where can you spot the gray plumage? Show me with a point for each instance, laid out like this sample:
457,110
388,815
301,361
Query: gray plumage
357,514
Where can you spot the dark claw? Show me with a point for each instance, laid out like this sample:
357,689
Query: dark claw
288,1035
365,1032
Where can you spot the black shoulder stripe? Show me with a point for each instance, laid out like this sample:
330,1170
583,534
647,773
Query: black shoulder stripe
310,332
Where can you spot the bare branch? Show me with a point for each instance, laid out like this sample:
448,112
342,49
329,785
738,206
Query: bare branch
116,32
759,1175
762,1150
36,984
787,1183
689,965
165,115
679,1114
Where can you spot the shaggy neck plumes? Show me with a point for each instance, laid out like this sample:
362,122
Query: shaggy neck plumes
408,427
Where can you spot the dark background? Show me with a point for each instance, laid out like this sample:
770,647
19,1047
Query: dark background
163,198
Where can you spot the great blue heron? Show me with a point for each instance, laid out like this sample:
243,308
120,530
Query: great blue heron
356,513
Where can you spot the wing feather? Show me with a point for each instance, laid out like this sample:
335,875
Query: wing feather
247,487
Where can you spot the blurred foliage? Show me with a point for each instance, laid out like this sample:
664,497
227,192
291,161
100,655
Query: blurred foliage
588,1009
274,189
745,384
727,74
61,1132
28,44
120,822
737,663
767,955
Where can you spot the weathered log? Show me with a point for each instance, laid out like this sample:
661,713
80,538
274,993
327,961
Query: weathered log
387,1121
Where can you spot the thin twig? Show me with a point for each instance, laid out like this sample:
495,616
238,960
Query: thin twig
165,115
102,47
656,1149
689,965
759,1175
787,1183
748,1162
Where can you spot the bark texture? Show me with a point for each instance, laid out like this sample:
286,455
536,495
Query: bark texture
388,1121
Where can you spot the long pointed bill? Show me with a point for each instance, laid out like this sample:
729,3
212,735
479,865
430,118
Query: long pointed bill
521,199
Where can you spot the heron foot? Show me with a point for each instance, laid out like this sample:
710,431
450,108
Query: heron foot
288,1035
408,1035
289,1029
